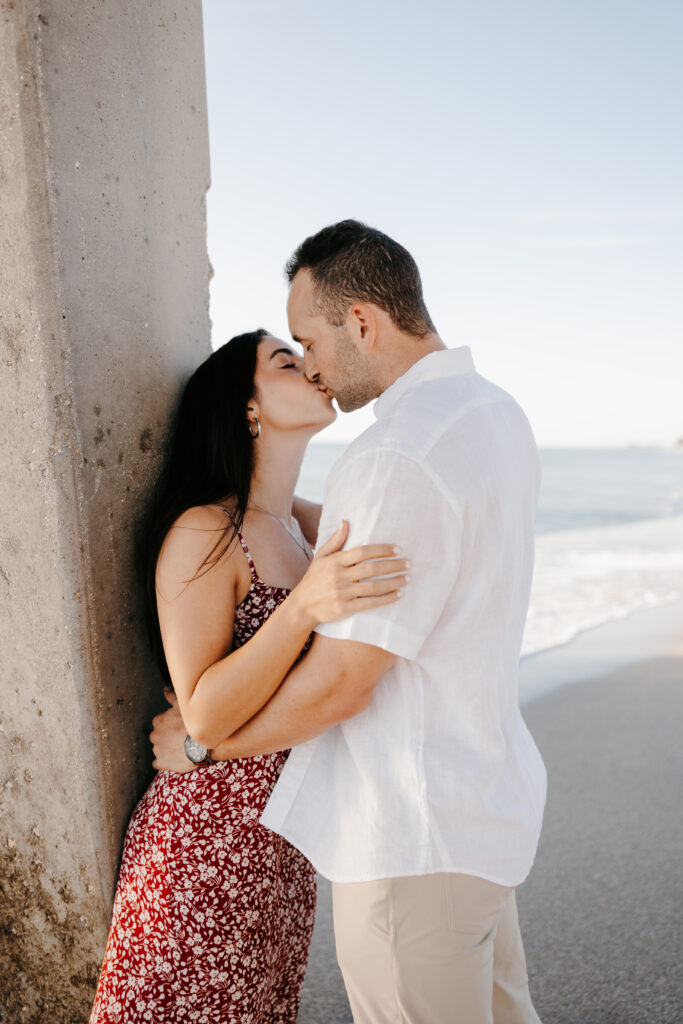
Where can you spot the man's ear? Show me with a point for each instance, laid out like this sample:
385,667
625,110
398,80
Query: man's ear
362,323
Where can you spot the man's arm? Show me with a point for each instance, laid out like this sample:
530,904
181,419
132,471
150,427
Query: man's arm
333,682
336,678
308,515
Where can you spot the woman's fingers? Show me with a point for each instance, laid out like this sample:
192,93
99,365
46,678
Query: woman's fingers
336,541
377,567
344,582
375,588
355,555
363,604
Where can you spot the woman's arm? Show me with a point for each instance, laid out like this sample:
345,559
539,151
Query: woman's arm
218,690
308,515
333,682
196,621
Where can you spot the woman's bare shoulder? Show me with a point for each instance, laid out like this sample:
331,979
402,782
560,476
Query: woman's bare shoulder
190,540
207,517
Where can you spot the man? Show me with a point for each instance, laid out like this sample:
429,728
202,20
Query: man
415,785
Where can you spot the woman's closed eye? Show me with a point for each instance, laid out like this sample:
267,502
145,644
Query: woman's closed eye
291,366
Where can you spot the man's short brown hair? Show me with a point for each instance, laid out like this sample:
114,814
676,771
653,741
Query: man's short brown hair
351,262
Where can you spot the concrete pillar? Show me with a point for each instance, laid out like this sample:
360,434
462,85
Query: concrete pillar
104,168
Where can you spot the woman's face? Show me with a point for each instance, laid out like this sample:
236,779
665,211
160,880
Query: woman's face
286,400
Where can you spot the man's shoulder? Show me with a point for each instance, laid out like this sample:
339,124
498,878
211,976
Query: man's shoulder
433,414
424,414
442,410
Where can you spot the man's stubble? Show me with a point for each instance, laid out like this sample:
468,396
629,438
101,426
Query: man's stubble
355,384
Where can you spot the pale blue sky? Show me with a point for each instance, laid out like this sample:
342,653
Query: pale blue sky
528,154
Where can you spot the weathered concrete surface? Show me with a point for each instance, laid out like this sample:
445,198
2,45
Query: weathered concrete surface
103,312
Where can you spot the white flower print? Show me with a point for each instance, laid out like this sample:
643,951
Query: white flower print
213,913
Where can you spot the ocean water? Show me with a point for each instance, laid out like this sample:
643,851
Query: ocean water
609,535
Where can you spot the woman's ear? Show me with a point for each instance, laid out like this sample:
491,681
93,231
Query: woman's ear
252,416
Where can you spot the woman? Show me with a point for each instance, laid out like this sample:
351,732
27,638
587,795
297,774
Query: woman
213,913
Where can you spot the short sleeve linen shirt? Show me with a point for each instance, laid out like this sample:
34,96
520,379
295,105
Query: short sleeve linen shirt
439,773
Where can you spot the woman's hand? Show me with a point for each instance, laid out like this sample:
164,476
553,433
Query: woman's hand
339,583
168,738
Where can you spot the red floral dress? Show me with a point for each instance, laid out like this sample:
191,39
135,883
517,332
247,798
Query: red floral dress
213,913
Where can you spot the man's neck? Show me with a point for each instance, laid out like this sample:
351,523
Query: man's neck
405,352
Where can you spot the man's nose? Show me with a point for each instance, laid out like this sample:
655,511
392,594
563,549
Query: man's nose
310,370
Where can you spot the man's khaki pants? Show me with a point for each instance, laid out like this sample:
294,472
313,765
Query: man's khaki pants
431,949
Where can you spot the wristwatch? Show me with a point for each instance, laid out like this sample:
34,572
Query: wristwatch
196,753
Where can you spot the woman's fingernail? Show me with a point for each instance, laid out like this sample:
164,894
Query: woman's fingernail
408,577
397,550
408,563
399,593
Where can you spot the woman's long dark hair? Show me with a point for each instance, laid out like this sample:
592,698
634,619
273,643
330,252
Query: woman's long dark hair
209,457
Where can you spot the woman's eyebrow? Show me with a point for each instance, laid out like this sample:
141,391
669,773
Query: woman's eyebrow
287,351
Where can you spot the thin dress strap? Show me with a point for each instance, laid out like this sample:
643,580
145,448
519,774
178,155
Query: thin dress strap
243,543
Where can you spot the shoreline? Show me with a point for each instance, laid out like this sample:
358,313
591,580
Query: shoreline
599,911
644,634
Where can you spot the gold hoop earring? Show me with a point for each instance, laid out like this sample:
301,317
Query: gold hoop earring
258,429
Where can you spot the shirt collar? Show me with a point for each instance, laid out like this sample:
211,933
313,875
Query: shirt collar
442,363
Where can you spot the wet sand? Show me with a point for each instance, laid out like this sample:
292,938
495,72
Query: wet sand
600,911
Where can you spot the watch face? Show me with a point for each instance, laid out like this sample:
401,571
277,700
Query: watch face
195,751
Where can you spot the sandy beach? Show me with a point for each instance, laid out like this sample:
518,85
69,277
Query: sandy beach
600,911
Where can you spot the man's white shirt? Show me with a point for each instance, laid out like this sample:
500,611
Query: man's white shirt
439,772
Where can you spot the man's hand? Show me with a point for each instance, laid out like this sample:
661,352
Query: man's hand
168,738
